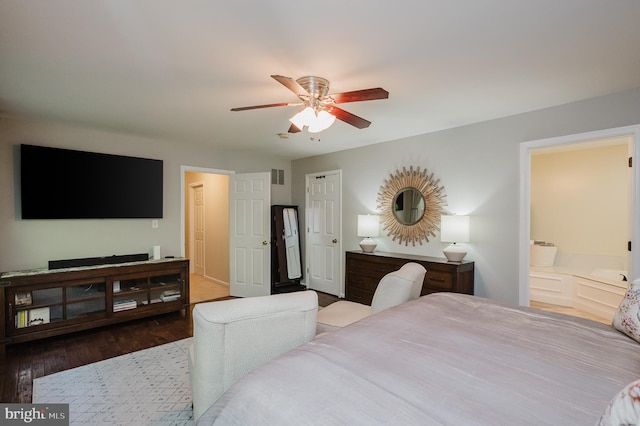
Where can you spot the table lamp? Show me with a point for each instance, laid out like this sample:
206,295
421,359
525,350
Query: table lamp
454,229
368,226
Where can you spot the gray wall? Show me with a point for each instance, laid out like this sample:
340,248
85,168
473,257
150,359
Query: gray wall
477,164
29,244
479,168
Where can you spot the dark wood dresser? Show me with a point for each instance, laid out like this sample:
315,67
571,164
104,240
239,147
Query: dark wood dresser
364,271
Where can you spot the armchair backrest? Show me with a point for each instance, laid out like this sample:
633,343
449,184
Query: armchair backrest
398,287
233,337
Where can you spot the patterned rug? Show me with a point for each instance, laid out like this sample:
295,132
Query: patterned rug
148,387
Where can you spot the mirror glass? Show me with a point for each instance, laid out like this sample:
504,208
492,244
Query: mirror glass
408,206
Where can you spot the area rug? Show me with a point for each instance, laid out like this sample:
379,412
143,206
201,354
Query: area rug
148,387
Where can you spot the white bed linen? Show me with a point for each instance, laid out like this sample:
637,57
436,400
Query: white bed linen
443,359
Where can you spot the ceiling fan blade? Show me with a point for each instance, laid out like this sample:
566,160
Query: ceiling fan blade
291,84
360,95
267,106
348,118
294,129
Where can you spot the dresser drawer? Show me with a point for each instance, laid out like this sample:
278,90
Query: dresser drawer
439,280
363,282
359,296
364,267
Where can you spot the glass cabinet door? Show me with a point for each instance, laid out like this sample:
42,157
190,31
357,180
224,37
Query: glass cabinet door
130,293
70,300
37,307
85,299
166,288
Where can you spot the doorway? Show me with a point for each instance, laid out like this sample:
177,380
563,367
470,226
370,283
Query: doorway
528,149
205,231
580,218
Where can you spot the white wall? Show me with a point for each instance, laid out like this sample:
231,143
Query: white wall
32,243
479,168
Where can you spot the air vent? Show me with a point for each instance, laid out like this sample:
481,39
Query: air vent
277,177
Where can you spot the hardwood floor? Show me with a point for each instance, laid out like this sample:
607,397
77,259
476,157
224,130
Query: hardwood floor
26,361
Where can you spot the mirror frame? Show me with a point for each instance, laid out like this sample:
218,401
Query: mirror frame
433,194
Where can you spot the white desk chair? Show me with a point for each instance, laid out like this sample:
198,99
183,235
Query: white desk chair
393,289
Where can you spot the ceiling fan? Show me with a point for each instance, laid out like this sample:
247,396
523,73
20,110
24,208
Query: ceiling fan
320,110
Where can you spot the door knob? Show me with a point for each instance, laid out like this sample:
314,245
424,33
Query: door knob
264,243
334,241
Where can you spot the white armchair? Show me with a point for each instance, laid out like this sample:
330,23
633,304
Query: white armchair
233,337
393,289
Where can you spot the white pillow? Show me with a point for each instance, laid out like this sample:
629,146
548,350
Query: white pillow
624,408
626,318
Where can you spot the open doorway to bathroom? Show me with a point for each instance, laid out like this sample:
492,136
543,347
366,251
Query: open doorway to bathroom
580,207
205,232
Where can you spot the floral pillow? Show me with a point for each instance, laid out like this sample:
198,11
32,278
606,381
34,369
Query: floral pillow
624,408
627,319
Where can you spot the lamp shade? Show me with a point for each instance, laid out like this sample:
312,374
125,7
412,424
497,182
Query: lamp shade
314,121
368,225
321,122
454,229
303,118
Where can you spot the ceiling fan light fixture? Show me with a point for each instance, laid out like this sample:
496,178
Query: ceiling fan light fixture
314,122
303,117
320,110
321,122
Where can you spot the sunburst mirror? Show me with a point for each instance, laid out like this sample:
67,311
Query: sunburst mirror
411,203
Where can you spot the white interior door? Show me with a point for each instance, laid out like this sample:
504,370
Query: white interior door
197,224
324,230
250,234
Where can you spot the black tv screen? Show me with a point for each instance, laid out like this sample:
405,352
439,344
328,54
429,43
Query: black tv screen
66,184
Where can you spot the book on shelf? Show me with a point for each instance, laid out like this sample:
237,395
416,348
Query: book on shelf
36,316
170,295
39,316
21,319
123,305
170,298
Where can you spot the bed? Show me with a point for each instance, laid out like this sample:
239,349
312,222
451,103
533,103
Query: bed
443,359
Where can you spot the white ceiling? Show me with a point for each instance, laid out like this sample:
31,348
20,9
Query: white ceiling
173,69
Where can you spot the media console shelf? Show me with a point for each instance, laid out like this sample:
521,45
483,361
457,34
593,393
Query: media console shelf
42,303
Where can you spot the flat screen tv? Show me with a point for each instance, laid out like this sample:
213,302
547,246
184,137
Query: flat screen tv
66,184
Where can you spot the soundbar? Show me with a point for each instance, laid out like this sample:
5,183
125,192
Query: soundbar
93,261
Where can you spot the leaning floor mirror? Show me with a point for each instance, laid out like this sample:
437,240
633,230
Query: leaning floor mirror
286,261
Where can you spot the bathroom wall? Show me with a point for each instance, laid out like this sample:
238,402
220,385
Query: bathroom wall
580,201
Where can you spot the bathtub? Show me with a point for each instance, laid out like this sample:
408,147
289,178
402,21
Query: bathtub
598,293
